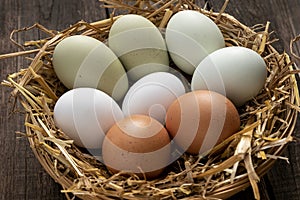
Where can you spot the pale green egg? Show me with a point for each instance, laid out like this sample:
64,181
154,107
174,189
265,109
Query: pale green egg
139,45
83,61
190,37
238,73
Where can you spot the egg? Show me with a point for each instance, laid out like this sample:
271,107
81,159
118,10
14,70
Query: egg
152,95
139,45
138,144
199,120
190,37
238,73
83,61
85,115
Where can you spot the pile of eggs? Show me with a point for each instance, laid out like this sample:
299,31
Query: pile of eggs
127,103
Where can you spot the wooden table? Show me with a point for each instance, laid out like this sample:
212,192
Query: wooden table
22,177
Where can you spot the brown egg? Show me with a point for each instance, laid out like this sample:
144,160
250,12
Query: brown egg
138,144
201,119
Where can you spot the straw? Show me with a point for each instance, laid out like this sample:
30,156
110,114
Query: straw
267,121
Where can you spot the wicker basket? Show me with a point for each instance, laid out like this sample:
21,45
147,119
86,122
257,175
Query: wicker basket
268,120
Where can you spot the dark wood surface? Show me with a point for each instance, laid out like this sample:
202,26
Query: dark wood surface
22,177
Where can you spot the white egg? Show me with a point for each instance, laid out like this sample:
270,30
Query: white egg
139,45
85,115
83,61
236,72
190,37
152,95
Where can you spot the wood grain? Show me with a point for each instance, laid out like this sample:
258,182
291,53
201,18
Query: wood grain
283,180
283,15
22,177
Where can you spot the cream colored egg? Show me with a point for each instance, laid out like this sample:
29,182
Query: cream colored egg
85,115
83,61
139,45
190,37
152,95
238,73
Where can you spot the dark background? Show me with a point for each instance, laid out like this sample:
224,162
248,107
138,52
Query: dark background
21,175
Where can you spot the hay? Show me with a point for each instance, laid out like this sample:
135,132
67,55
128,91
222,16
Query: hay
267,121
293,41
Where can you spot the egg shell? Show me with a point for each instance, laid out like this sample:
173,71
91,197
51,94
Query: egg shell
137,144
139,45
83,61
85,115
190,37
152,95
199,120
238,73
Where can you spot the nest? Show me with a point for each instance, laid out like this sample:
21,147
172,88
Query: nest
267,121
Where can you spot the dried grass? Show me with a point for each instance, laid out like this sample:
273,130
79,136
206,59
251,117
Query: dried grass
267,121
